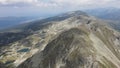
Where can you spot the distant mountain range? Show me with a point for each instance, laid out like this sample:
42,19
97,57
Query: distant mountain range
7,22
106,13
112,15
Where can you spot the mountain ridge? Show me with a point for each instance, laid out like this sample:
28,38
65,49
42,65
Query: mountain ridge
54,38
90,44
74,49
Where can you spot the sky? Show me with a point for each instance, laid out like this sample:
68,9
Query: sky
49,7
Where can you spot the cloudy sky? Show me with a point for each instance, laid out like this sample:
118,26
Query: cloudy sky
47,7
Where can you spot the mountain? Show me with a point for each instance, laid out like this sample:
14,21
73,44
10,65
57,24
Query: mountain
76,48
112,15
106,13
7,22
21,42
68,40
88,43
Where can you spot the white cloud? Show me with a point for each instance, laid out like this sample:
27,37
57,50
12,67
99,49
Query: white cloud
16,1
63,3
87,3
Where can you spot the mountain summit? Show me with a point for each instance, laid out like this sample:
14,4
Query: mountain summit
69,40
73,13
84,42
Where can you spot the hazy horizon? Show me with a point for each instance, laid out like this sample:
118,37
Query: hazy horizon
50,7
25,10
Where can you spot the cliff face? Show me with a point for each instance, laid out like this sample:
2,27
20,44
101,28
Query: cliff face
87,45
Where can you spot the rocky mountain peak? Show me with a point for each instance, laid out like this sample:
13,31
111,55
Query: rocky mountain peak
88,45
73,13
